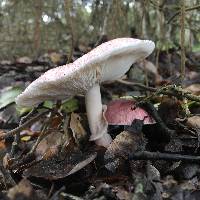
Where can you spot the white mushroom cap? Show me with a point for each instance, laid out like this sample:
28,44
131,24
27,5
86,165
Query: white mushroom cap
109,61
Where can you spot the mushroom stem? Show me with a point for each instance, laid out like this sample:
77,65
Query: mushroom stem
97,123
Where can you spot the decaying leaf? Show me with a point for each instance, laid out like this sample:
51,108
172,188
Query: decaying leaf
2,143
23,190
122,146
149,66
122,194
55,57
24,60
193,122
169,110
58,167
78,131
102,191
194,89
51,143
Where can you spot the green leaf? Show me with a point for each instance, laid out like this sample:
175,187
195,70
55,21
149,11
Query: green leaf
70,105
48,104
8,95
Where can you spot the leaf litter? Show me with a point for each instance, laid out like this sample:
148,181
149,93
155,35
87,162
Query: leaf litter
66,165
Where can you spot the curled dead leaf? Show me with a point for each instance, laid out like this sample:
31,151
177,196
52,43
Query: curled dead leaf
58,167
194,89
122,146
78,131
50,143
193,122
23,189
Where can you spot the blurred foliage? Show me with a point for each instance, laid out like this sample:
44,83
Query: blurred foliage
9,95
36,26
70,105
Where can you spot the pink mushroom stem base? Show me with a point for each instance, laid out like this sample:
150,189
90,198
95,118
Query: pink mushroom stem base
97,123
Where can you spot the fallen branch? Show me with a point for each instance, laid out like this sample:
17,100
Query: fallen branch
23,126
154,113
151,89
170,90
147,155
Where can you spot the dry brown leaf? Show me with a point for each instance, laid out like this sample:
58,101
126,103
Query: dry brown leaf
58,167
56,121
78,131
23,188
2,142
194,89
122,146
55,57
122,194
193,122
24,60
149,66
49,144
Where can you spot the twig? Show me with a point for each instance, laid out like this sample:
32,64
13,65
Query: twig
146,155
41,136
170,90
21,127
55,195
17,135
30,114
8,181
187,9
185,128
44,130
151,109
177,92
51,190
151,89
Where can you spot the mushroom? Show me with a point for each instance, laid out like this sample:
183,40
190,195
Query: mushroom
108,61
124,112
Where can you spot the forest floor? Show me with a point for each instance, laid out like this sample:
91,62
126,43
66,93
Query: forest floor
155,157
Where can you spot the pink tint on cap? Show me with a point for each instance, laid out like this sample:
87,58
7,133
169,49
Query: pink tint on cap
123,112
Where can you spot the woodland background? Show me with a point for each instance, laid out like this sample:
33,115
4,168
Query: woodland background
148,162
34,27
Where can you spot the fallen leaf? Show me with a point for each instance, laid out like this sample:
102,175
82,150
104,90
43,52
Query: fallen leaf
122,194
78,131
149,66
194,89
8,95
2,142
122,146
58,167
55,57
23,189
56,122
193,122
70,105
50,143
24,60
